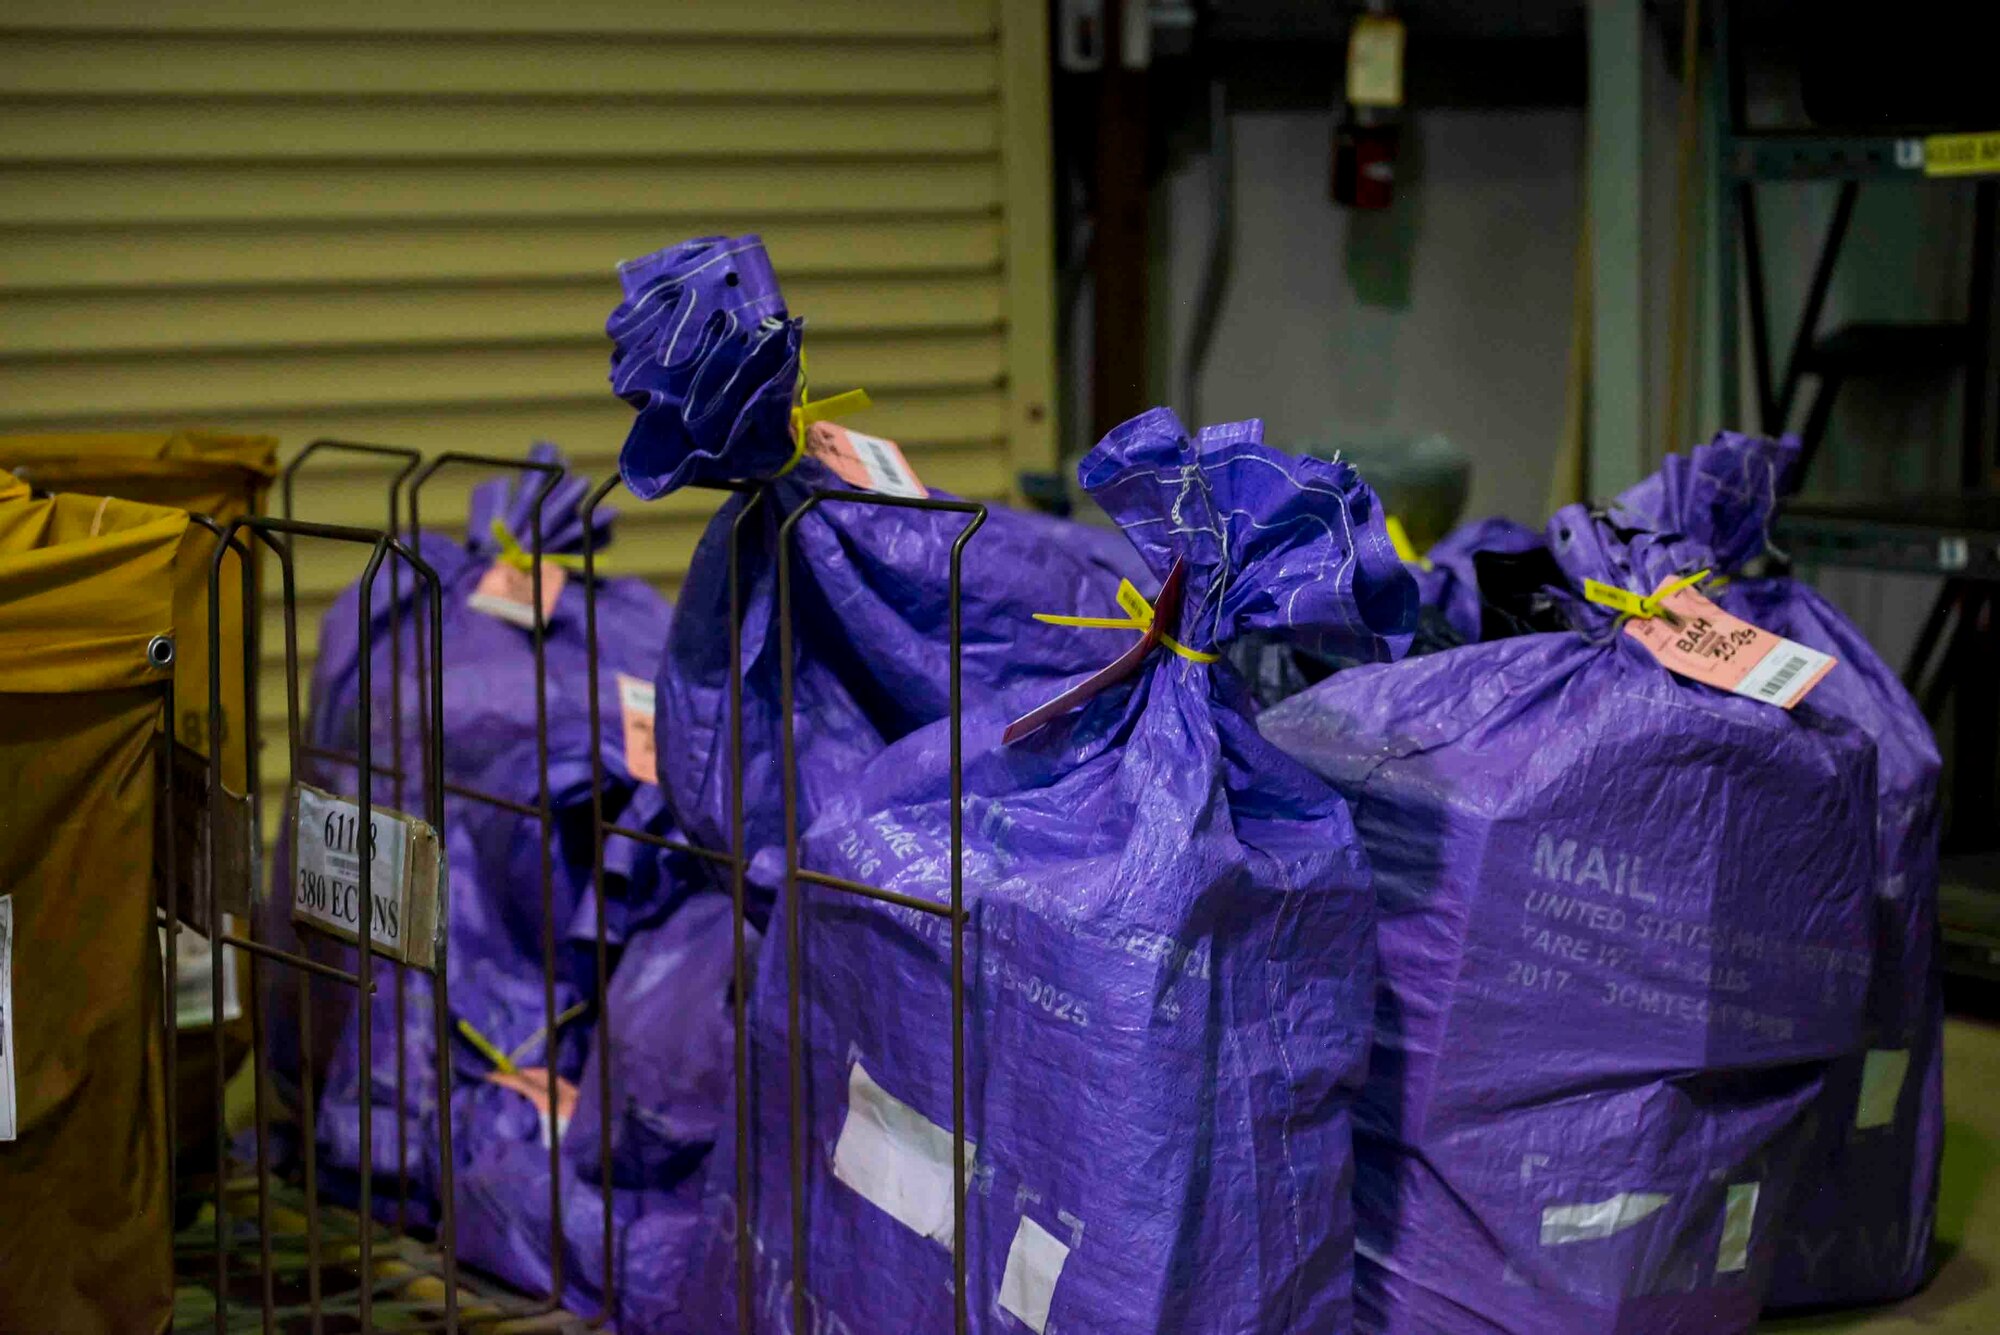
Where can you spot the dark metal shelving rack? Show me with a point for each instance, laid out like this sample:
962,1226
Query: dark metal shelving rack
1746,157
1955,535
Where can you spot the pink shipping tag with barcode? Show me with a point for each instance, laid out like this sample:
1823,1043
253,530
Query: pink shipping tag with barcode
508,592
637,709
868,462
1694,638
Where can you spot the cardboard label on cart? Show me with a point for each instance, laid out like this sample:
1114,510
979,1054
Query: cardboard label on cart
868,462
508,592
636,704
532,1083
1698,640
405,868
195,819
6,1017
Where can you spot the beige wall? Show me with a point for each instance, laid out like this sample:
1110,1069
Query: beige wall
397,222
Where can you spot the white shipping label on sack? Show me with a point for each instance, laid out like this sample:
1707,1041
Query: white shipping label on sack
1587,1220
1739,1219
6,1017
1883,1071
1034,1264
897,1158
328,890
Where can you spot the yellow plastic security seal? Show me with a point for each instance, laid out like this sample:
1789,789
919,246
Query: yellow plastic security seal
487,1048
509,1063
1138,616
515,555
1627,603
809,410
1399,538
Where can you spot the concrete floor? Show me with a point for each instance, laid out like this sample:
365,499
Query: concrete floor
1964,1297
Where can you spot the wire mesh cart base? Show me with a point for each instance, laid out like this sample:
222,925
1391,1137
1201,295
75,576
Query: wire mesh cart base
409,1276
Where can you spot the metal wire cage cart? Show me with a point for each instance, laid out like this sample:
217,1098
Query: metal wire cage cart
266,1246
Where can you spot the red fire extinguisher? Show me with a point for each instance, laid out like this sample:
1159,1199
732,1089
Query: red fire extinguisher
1364,142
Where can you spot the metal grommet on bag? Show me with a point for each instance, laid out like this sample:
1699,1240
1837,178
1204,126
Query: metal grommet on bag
160,651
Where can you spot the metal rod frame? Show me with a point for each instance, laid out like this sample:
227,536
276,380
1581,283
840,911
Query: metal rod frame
386,546
796,879
170,861
416,473
543,812
410,460
735,861
278,535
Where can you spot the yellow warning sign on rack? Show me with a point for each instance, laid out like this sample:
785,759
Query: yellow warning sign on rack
1962,154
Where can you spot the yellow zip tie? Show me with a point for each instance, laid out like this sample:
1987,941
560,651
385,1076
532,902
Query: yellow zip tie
1138,616
809,410
487,1048
1399,538
515,555
1628,603
520,1053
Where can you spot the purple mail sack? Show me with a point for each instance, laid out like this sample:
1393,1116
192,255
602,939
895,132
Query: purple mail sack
705,350
1626,934
1448,577
1861,1232
1453,605
1168,964
670,1045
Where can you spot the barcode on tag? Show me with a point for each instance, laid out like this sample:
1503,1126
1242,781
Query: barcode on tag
888,471
868,462
1784,674
6,1017
1793,666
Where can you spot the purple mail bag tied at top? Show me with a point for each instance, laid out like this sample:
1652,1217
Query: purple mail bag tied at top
1861,1229
1627,928
1168,973
705,350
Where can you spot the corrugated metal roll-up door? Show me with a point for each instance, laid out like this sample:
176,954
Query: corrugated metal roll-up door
397,222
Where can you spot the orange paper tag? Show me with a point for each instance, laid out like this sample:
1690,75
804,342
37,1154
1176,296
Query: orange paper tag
868,462
1698,640
508,592
635,700
532,1083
